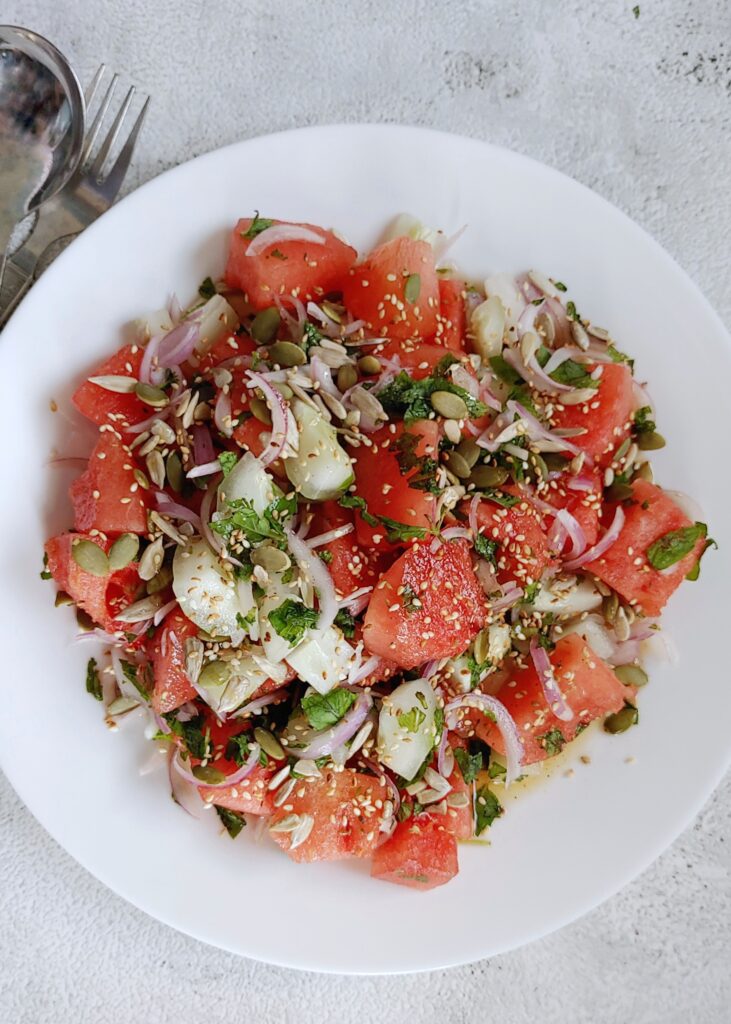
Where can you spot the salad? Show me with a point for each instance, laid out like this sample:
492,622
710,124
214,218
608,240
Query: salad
365,543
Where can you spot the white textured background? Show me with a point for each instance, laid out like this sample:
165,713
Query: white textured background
640,110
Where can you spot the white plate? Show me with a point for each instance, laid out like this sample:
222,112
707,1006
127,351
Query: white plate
562,847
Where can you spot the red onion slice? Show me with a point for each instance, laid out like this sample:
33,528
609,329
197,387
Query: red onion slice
364,670
537,432
205,470
259,703
510,597
203,450
231,780
581,483
330,535
474,525
322,374
330,739
574,531
313,567
356,598
559,357
149,357
142,425
178,345
465,380
222,414
279,233
211,538
551,691
455,533
603,544
280,416
162,612
184,793
514,752
174,510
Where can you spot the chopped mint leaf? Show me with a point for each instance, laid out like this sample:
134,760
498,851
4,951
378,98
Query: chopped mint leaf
228,460
355,501
552,742
267,526
346,622
486,548
671,547
291,620
470,765
643,421
232,821
411,398
93,682
487,809
419,469
574,374
257,225
238,748
326,710
501,498
411,720
207,289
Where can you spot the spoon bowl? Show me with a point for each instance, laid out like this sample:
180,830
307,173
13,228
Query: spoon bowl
42,123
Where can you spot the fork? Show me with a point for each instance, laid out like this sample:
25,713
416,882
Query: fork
89,193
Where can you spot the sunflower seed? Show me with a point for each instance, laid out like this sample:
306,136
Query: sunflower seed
163,430
632,453
140,610
151,559
546,327
140,440
276,780
193,658
543,284
452,431
353,418
123,551
156,468
300,834
187,417
117,384
150,444
334,405
269,743
221,376
458,800
430,796
90,557
151,395
167,528
577,397
360,737
367,404
608,476
599,332
307,769
579,335
414,788
283,793
287,824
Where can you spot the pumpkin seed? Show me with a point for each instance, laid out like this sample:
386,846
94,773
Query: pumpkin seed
622,720
271,558
284,390
539,465
186,418
174,471
62,599
650,441
452,431
166,527
142,480
123,551
90,557
261,411
160,581
215,674
412,288
156,468
151,395
610,607
631,675
451,406
488,476
113,382
151,560
286,353
269,743
458,465
482,645
469,450
332,311
121,705
644,473
618,491
347,376
208,774
265,325
84,621
369,365
555,462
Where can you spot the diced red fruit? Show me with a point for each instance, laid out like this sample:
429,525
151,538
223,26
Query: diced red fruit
584,506
346,808
305,269
101,597
251,795
459,820
107,496
421,854
379,290
418,358
649,515
385,489
350,565
429,604
102,406
588,685
452,321
229,346
167,651
523,551
606,416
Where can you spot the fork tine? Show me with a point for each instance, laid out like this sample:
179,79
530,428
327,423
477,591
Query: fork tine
97,122
96,168
113,181
91,89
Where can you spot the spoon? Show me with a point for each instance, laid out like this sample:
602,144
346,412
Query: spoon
42,123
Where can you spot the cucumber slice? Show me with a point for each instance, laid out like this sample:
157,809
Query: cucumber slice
323,659
248,480
206,593
406,728
321,469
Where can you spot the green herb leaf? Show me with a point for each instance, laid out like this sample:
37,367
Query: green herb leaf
238,748
486,548
619,357
325,555
636,10
291,620
670,548
93,682
411,720
530,592
643,421
571,312
310,336
412,288
410,599
410,398
477,670
192,734
228,460
346,622
696,570
469,764
420,470
267,526
326,710
232,821
502,369
560,285
45,574
397,532
244,621
487,809
277,254
355,501
574,374
440,370
131,674
257,225
552,741
501,498
207,289
496,770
